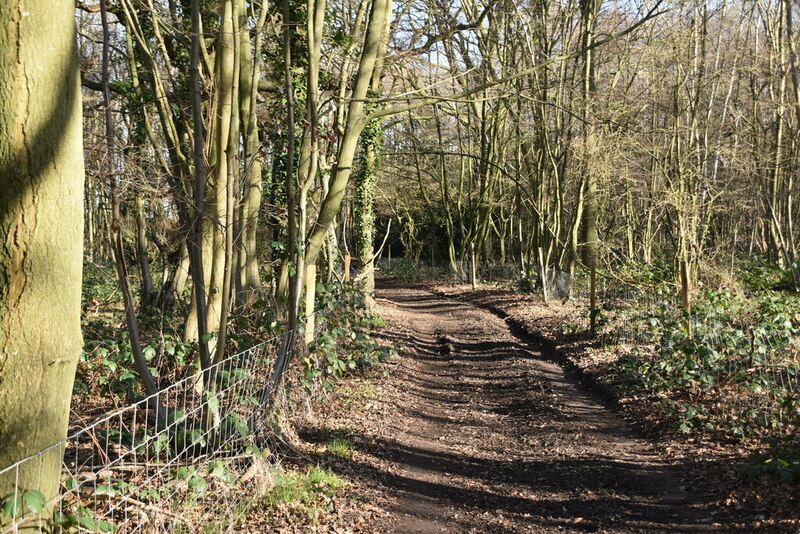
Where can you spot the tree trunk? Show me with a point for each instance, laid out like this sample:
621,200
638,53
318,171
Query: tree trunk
356,121
248,277
590,9
172,294
367,181
231,155
148,295
364,206
41,190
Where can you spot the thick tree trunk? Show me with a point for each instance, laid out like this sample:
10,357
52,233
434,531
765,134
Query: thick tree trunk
367,181
41,189
248,279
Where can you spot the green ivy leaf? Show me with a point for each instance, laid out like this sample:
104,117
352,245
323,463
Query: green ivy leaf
11,505
149,353
87,522
212,401
106,526
35,500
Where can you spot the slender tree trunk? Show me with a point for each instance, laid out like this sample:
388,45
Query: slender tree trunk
148,295
248,279
215,238
590,10
196,322
356,121
146,377
231,156
287,346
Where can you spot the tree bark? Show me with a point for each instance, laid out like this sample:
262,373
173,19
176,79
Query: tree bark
148,296
356,121
41,192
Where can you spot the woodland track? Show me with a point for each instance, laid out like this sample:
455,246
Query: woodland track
476,430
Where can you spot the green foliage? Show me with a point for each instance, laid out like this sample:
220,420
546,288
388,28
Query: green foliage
778,316
344,346
81,520
107,363
758,273
22,502
339,302
375,321
341,351
341,38
113,487
727,348
781,460
310,491
338,442
641,274
100,288
195,481
528,281
366,181
218,469
255,326
33,503
341,447
409,271
107,366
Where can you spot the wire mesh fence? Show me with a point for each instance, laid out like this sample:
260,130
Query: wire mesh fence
136,470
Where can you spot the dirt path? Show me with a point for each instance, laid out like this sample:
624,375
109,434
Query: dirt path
480,432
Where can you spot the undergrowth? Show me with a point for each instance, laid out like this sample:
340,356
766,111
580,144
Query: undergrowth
728,368
727,365
408,271
344,346
107,377
308,492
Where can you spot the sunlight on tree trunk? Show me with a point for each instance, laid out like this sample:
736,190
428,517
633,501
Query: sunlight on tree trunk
41,191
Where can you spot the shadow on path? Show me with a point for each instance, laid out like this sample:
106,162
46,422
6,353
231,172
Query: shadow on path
480,432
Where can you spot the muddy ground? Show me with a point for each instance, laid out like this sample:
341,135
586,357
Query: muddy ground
477,430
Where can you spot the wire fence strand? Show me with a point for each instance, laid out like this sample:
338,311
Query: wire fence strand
134,470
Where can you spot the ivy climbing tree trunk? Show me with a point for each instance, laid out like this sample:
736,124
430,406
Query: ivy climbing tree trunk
366,181
364,203
41,235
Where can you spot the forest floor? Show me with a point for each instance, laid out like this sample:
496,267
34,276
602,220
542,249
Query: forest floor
474,429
